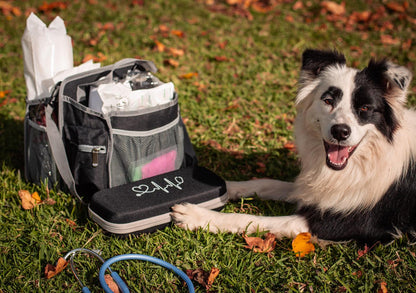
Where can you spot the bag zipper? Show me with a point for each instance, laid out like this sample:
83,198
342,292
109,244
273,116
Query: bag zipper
95,150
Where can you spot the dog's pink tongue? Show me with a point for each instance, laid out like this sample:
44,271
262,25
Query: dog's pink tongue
337,154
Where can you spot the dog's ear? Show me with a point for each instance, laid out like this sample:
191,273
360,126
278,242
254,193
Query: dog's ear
314,61
392,78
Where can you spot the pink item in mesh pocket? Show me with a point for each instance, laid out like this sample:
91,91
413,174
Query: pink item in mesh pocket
162,164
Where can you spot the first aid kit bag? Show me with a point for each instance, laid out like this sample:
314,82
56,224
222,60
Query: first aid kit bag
145,205
110,136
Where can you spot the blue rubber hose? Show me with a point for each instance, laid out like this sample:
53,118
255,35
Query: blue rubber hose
142,257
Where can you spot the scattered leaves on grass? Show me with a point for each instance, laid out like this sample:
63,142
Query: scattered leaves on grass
8,10
52,271
366,250
28,202
111,284
48,7
71,223
261,245
389,40
202,277
5,99
100,57
302,244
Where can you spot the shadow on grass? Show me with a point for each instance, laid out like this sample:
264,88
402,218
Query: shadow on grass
11,142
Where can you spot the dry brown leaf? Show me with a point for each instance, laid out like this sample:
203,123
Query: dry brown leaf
49,201
171,62
51,270
71,223
159,46
176,52
213,274
100,57
202,277
28,202
221,58
258,244
178,33
389,40
383,288
298,5
302,244
111,284
263,6
397,7
333,7
362,16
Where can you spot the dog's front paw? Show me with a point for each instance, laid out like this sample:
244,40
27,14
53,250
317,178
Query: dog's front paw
190,216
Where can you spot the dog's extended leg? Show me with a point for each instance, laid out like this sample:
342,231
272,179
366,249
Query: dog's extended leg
190,216
267,189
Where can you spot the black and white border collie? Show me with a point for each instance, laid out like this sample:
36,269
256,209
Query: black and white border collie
357,146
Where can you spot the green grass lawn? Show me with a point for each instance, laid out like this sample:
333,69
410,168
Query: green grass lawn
238,106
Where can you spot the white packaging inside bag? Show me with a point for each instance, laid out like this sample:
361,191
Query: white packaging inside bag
120,97
46,51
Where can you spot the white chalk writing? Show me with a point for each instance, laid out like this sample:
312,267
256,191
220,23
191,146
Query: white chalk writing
153,186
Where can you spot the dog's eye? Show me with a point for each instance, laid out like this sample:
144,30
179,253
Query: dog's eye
364,108
328,100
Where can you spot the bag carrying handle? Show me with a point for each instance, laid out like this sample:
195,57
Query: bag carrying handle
70,85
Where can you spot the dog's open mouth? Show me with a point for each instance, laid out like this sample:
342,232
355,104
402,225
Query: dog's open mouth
337,155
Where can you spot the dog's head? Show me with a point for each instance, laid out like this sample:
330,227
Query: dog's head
340,105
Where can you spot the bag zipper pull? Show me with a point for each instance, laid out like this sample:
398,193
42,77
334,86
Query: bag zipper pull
95,152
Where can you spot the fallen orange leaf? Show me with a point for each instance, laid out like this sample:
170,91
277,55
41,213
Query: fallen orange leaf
36,197
301,245
4,93
111,284
178,33
47,7
258,244
333,7
202,277
51,270
99,58
188,75
159,46
383,287
28,202
213,274
397,7
171,62
176,52
389,40
289,146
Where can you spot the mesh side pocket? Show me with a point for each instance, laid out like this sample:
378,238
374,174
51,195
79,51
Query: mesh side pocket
39,163
139,155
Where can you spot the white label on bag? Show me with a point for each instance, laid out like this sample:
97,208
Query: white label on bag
144,188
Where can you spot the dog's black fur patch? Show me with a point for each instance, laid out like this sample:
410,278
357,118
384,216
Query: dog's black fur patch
371,89
316,60
394,212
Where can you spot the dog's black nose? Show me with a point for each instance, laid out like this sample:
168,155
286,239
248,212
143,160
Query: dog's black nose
340,131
